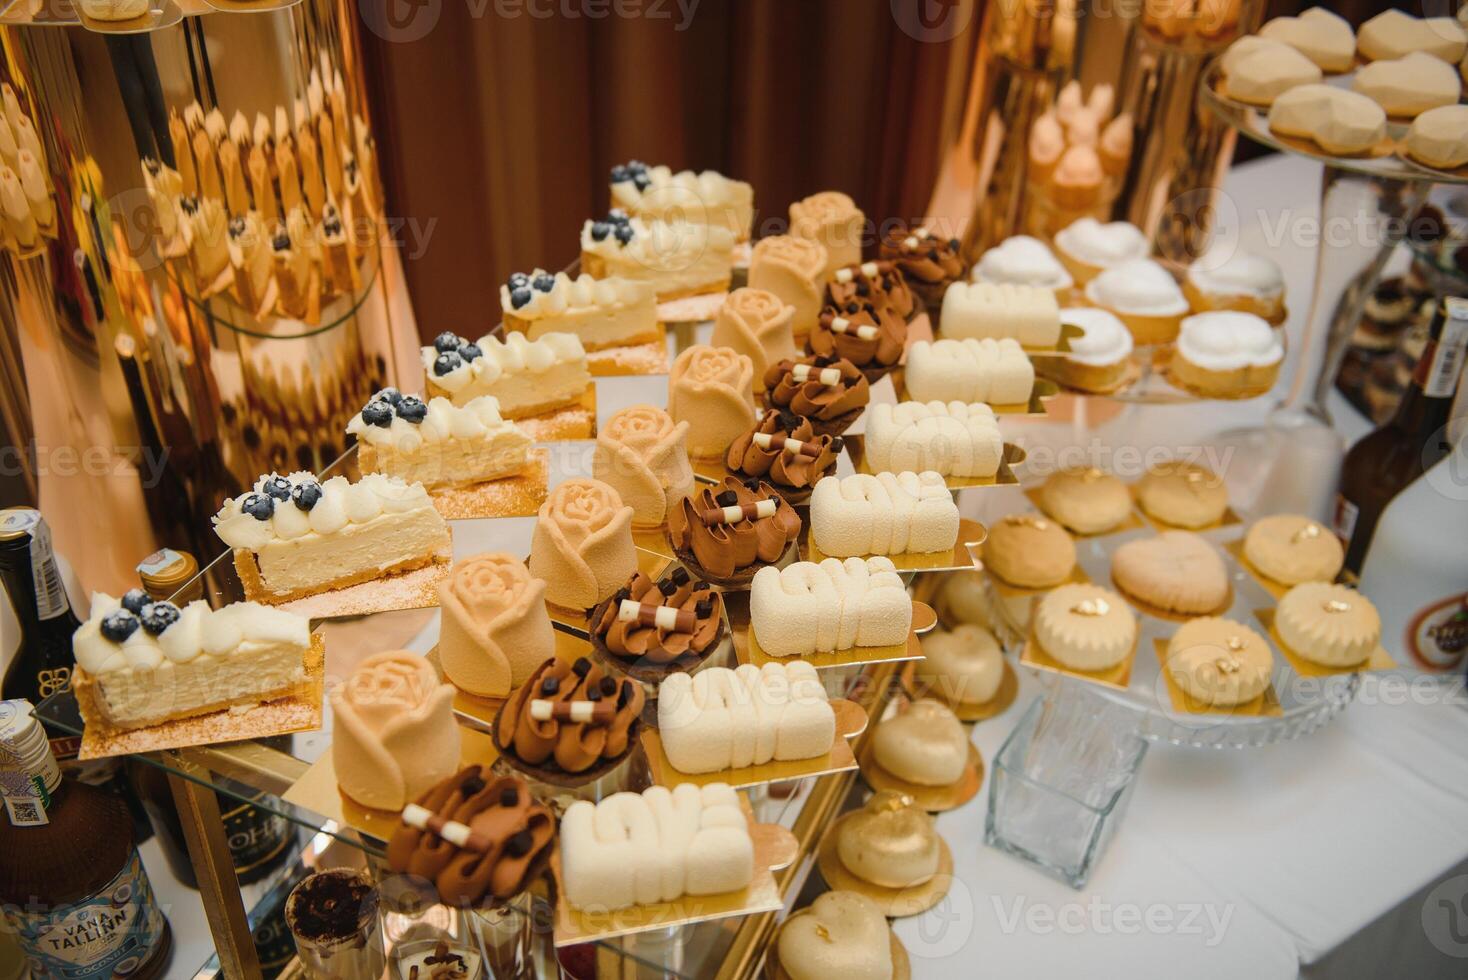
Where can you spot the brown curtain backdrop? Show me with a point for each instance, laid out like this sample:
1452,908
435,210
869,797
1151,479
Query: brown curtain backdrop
497,132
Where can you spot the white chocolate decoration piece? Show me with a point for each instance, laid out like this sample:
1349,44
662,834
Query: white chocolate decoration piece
866,331
886,514
808,608
801,373
721,719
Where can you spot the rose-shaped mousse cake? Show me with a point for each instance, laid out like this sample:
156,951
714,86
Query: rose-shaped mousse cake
395,734
582,546
833,219
494,630
757,324
643,455
712,389
794,269
868,336
927,262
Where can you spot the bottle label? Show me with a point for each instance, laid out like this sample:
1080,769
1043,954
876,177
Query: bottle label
1437,635
1444,359
255,836
109,934
158,561
50,593
1345,518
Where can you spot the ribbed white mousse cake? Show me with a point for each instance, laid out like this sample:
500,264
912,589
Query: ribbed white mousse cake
706,198
679,258
807,607
722,719
437,444
604,313
526,377
1029,314
298,537
655,846
994,371
952,438
886,514
146,662
1328,624
1085,627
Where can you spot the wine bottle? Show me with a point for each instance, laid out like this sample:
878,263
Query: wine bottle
1385,461
42,664
72,885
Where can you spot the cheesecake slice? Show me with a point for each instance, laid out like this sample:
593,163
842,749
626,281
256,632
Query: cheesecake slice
706,198
141,662
294,537
604,313
526,377
679,258
438,444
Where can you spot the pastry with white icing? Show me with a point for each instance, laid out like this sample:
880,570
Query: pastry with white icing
1226,354
1394,33
1329,625
720,719
144,662
1264,70
1439,137
678,258
1218,662
655,846
711,389
1144,296
886,514
807,608
1229,278
1291,548
1028,314
1086,246
963,665
952,438
643,455
890,842
1022,260
1086,500
1177,570
611,312
706,197
525,377
1085,627
925,744
438,444
997,372
832,219
1340,122
1408,86
1098,358
1324,37
1182,494
295,537
842,934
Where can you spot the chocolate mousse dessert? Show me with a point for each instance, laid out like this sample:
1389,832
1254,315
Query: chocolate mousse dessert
878,283
928,263
783,449
830,392
871,337
570,722
726,533
653,628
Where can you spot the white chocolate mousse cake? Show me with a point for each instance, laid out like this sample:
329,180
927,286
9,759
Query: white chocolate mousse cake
952,438
808,608
1439,137
720,719
890,842
1327,624
1408,86
294,537
925,744
997,372
1394,33
1178,571
1028,314
886,514
526,377
438,444
1086,499
1292,548
1219,662
1262,70
655,846
1087,246
1340,122
707,197
144,662
679,258
1226,354
1320,35
603,313
963,665
1022,260
1085,627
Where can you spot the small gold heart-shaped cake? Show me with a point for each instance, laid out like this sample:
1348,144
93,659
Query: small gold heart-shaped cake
1176,570
964,665
925,745
890,842
842,934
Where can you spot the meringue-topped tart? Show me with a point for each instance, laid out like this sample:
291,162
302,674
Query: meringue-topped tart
1226,354
1144,296
1023,260
147,662
1086,246
437,444
526,377
1098,358
297,537
612,312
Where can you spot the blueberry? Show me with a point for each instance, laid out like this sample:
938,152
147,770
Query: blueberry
519,296
390,395
624,233
544,282
620,174
412,409
853,308
278,487
307,495
519,845
447,341
518,279
378,414
642,181
470,352
636,166
118,626
259,506
158,616
134,600
600,230
617,216
446,362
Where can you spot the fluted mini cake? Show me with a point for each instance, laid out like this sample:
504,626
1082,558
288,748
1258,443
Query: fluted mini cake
297,537
832,219
794,269
655,846
643,455
880,284
582,543
1291,549
886,514
1327,624
870,337
997,372
438,444
1219,662
712,390
570,718
678,258
1028,314
1085,627
759,325
724,533
526,377
929,263
721,719
494,629
146,662
707,197
669,623
808,608
950,438
784,449
603,313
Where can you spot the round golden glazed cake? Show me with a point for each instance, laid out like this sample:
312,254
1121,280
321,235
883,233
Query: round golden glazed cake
925,744
890,842
1291,548
1086,500
1029,551
842,934
1176,570
1183,494
1219,662
963,665
1326,624
1085,627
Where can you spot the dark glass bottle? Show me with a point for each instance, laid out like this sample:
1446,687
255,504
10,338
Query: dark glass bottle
42,664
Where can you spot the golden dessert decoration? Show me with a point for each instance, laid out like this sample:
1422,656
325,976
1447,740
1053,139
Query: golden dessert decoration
494,630
582,545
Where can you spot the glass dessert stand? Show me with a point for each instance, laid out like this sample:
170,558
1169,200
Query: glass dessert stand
1365,204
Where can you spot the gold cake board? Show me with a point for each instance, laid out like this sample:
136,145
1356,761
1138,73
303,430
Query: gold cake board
895,903
519,495
934,799
855,446
963,554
